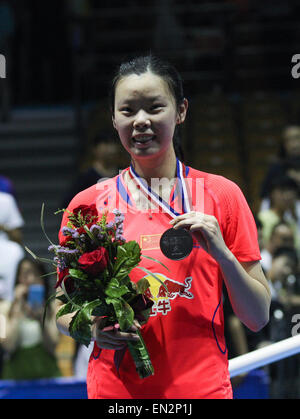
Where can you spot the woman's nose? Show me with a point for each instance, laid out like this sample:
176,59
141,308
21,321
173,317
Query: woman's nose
141,120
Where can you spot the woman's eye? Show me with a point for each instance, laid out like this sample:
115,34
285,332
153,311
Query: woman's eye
126,109
156,107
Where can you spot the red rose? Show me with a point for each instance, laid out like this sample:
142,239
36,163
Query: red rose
61,275
81,230
87,211
94,262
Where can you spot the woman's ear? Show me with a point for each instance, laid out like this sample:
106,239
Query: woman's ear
183,107
113,122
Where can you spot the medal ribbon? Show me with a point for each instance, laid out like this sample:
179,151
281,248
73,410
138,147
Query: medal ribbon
151,195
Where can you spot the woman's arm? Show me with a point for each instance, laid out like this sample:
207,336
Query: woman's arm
246,284
248,291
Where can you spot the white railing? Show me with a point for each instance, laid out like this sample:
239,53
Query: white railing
264,356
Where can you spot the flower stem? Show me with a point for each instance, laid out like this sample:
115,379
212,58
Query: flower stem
141,357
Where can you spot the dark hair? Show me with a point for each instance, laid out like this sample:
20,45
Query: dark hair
103,137
284,182
293,163
41,269
282,152
258,223
290,252
163,69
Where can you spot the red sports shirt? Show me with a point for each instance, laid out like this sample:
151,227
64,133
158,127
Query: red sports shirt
185,332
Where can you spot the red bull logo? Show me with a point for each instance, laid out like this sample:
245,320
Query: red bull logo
168,289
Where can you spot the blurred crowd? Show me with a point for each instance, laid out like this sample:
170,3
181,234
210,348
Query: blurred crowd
29,351
278,226
29,348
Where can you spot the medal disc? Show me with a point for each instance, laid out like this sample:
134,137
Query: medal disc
176,244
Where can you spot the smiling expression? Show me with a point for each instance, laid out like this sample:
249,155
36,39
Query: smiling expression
145,114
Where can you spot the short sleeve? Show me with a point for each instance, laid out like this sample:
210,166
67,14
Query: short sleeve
10,215
85,197
240,232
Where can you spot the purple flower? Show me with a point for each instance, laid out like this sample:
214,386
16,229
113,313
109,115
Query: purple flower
67,251
67,231
110,225
61,263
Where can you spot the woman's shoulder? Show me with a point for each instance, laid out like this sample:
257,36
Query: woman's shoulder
218,183
90,194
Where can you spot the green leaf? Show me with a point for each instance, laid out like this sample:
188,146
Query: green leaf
102,310
76,273
114,289
66,309
155,260
91,236
123,311
142,285
80,328
154,276
128,256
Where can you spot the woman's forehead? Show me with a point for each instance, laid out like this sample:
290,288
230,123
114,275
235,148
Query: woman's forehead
146,85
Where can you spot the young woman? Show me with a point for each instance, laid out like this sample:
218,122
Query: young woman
29,348
184,334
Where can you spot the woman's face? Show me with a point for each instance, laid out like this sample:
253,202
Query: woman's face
145,115
292,141
29,274
282,267
283,199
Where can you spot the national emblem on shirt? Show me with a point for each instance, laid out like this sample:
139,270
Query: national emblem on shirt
162,298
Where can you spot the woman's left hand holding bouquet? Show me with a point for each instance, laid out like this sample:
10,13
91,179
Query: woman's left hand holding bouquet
111,337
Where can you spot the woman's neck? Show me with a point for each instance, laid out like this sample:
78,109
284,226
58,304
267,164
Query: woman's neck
158,167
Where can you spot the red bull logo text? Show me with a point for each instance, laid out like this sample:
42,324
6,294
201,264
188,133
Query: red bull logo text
161,294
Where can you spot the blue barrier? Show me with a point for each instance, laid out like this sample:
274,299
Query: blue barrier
57,388
255,386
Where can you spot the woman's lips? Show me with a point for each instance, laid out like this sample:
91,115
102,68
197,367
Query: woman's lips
143,141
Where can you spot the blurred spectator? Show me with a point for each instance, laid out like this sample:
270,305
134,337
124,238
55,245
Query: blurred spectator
7,186
11,250
29,347
283,196
7,27
101,160
11,220
285,301
283,277
284,264
282,235
290,148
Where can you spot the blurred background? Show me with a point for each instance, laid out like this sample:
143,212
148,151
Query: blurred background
235,57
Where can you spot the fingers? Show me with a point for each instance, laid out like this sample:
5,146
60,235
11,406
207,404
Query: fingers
194,221
111,337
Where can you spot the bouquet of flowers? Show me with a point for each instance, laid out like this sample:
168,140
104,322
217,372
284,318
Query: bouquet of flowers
93,263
